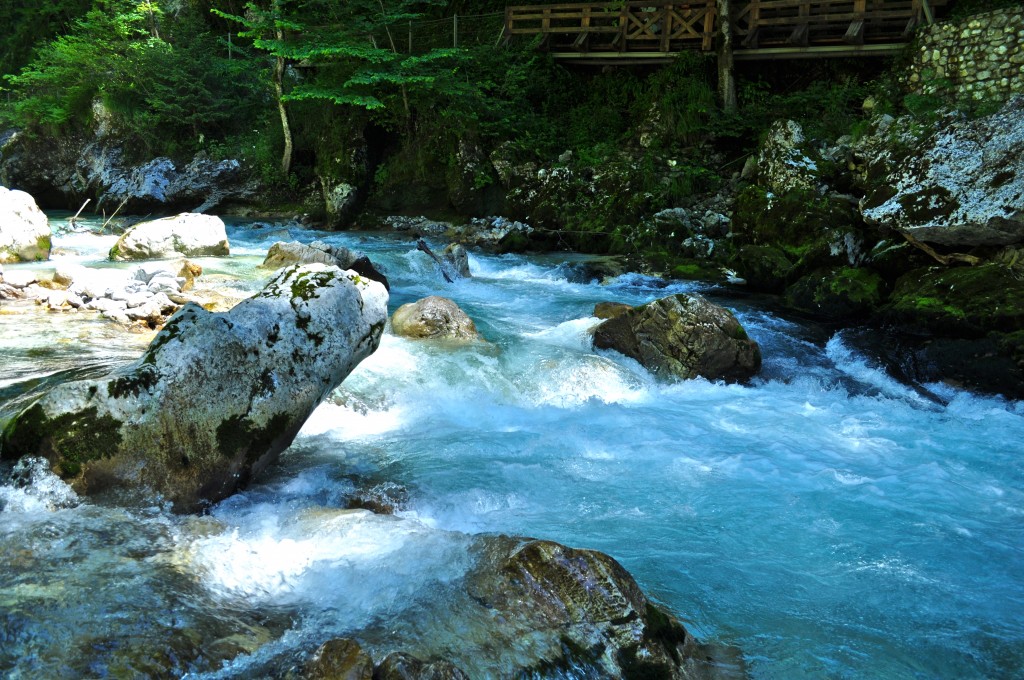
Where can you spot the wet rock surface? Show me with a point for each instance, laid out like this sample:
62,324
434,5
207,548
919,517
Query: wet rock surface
65,171
434,318
215,398
683,337
591,606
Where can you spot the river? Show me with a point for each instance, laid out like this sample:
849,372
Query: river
825,520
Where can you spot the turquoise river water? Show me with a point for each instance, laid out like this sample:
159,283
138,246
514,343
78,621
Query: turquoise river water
826,521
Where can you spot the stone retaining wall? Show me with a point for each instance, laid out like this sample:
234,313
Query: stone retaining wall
978,57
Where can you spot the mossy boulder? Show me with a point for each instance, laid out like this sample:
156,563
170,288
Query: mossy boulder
215,398
284,254
950,301
764,268
682,337
811,230
846,293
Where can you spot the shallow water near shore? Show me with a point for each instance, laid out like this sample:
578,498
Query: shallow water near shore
826,520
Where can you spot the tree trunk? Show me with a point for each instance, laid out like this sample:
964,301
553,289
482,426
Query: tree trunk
726,75
286,157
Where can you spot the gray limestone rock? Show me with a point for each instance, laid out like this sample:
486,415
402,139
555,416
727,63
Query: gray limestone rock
24,229
215,398
188,234
960,185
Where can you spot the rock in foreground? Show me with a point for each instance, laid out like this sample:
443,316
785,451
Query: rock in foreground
683,337
24,229
433,318
187,234
215,398
592,606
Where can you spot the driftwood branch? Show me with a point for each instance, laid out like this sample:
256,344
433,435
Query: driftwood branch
103,228
422,245
75,218
941,259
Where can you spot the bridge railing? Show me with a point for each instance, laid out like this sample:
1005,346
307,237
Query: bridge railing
760,23
639,26
635,26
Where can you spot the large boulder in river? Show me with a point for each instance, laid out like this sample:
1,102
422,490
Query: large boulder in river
282,254
188,234
433,318
24,229
960,185
215,398
683,337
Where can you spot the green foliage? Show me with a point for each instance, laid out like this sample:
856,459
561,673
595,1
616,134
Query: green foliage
27,23
163,82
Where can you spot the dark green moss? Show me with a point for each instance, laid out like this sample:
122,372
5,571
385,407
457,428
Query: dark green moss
844,293
305,285
924,206
69,441
238,434
969,301
143,379
170,331
764,268
793,219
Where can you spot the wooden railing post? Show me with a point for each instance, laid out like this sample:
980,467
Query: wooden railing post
666,28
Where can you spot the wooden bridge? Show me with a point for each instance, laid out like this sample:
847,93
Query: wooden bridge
638,30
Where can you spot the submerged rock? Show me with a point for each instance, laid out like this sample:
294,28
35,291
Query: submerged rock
402,666
683,337
433,318
282,254
24,229
340,659
962,185
215,398
188,234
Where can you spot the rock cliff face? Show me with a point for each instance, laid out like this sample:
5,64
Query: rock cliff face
24,229
215,398
63,172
